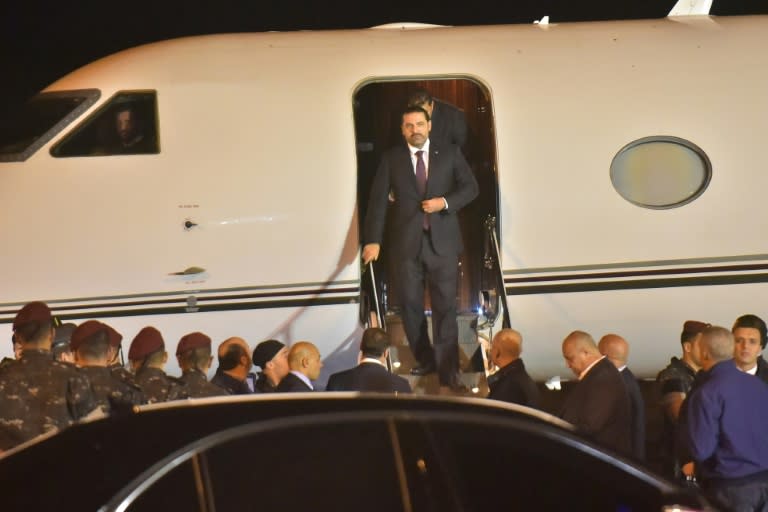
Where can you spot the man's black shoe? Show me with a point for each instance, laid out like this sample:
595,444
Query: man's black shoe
421,370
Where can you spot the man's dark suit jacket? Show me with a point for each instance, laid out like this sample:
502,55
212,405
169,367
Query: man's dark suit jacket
449,124
513,384
762,369
449,176
368,377
599,408
292,383
637,407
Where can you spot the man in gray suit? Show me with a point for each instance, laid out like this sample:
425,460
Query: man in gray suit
428,184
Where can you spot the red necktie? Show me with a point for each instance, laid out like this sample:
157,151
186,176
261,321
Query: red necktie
421,182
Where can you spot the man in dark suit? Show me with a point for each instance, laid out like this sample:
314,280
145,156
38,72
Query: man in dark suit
305,363
371,374
511,383
616,350
429,183
449,124
598,406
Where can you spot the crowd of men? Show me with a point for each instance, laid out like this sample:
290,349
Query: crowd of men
714,399
713,396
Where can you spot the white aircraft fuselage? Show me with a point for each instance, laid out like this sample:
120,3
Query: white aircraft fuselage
258,149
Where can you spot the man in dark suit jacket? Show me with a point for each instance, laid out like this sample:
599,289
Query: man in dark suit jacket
511,383
305,363
449,124
599,404
429,184
371,374
616,350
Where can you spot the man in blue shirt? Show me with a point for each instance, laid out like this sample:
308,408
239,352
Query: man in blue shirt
726,423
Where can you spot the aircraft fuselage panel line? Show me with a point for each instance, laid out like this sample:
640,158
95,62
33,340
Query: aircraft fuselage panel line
638,284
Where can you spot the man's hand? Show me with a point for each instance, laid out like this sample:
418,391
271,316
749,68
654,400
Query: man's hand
371,252
433,205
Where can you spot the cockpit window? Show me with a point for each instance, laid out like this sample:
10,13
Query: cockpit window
125,125
27,128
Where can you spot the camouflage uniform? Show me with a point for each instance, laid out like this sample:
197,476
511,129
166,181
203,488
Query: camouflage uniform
195,385
38,394
264,385
677,377
159,387
124,375
111,393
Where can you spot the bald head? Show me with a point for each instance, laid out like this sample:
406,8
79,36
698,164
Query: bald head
506,347
716,345
305,358
579,351
230,342
615,348
234,357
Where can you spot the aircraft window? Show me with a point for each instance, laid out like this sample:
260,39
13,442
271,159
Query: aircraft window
125,125
660,172
28,128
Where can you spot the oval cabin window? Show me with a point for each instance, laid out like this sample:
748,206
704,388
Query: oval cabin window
660,172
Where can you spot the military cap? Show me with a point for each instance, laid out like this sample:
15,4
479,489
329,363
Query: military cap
265,351
694,327
90,328
191,341
148,341
33,312
63,334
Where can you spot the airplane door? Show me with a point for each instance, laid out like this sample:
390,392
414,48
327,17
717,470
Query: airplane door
378,106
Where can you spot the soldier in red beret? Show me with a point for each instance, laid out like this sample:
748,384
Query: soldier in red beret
38,394
194,356
147,356
675,382
91,343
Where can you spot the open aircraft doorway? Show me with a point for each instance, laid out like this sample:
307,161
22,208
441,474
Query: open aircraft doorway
378,106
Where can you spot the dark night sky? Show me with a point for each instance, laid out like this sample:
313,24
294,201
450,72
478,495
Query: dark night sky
41,41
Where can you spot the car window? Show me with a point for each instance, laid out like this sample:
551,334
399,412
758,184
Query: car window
346,466
485,467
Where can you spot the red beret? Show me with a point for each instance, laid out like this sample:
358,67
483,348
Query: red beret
191,341
694,327
90,328
148,341
33,312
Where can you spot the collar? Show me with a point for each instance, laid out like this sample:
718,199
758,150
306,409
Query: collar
751,371
621,369
371,360
424,148
304,379
586,370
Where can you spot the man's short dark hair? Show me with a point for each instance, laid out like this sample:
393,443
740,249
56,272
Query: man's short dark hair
419,97
752,322
374,343
95,346
196,358
32,332
231,358
414,110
